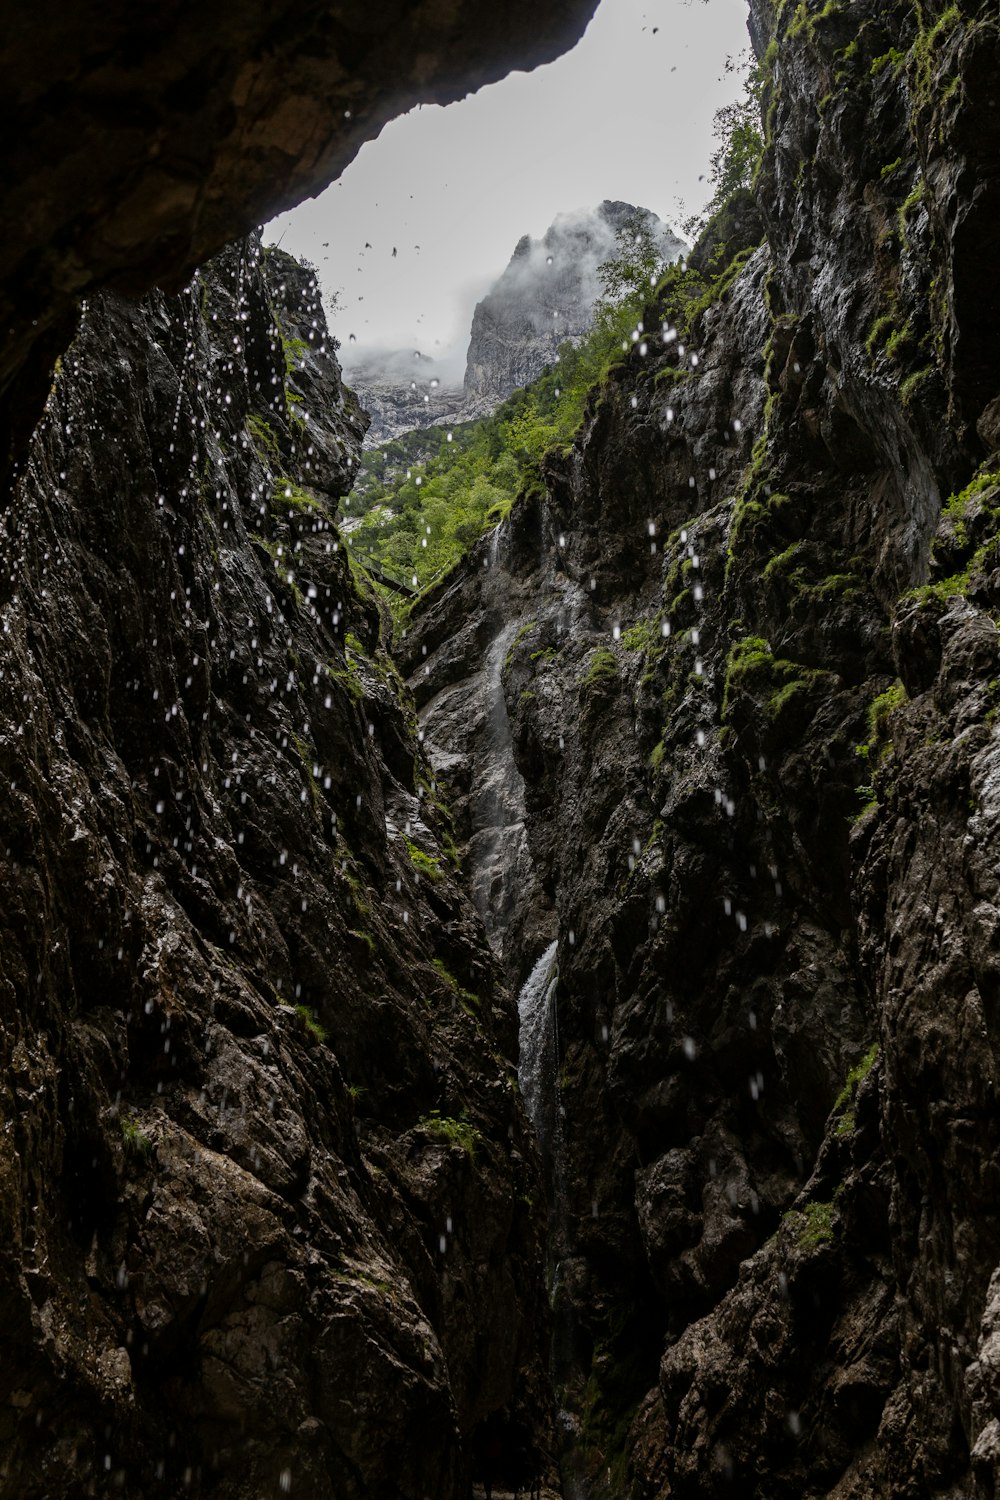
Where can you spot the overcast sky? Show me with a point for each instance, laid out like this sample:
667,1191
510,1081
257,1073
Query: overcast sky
627,114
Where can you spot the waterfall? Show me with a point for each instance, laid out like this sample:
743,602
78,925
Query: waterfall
538,1076
537,1068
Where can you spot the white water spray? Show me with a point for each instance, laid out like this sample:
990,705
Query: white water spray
537,1069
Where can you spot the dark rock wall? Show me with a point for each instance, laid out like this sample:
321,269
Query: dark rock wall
266,1185
768,838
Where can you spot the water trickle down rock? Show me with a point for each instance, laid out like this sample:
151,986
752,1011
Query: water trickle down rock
538,1064
498,855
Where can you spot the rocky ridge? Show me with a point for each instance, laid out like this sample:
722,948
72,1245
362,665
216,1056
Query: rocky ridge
404,397
764,841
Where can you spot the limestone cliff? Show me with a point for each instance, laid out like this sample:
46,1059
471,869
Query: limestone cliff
266,1184
545,296
752,701
404,393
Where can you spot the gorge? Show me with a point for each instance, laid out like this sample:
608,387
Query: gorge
696,753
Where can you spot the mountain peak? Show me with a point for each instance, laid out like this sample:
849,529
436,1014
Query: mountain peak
546,295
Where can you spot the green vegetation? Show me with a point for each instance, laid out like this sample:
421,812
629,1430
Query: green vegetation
343,1270
602,670
469,1001
879,743
425,864
264,439
349,675
644,635
893,58
279,556
307,755
993,695
456,1132
293,350
289,496
738,131
816,1224
803,22
956,508
929,40
427,497
310,1022
881,330
364,936
913,382
524,631
751,667
845,1099
622,1365
879,711
134,1139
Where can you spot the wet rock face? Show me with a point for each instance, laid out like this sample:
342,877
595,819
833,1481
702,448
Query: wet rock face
264,1174
766,838
139,146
